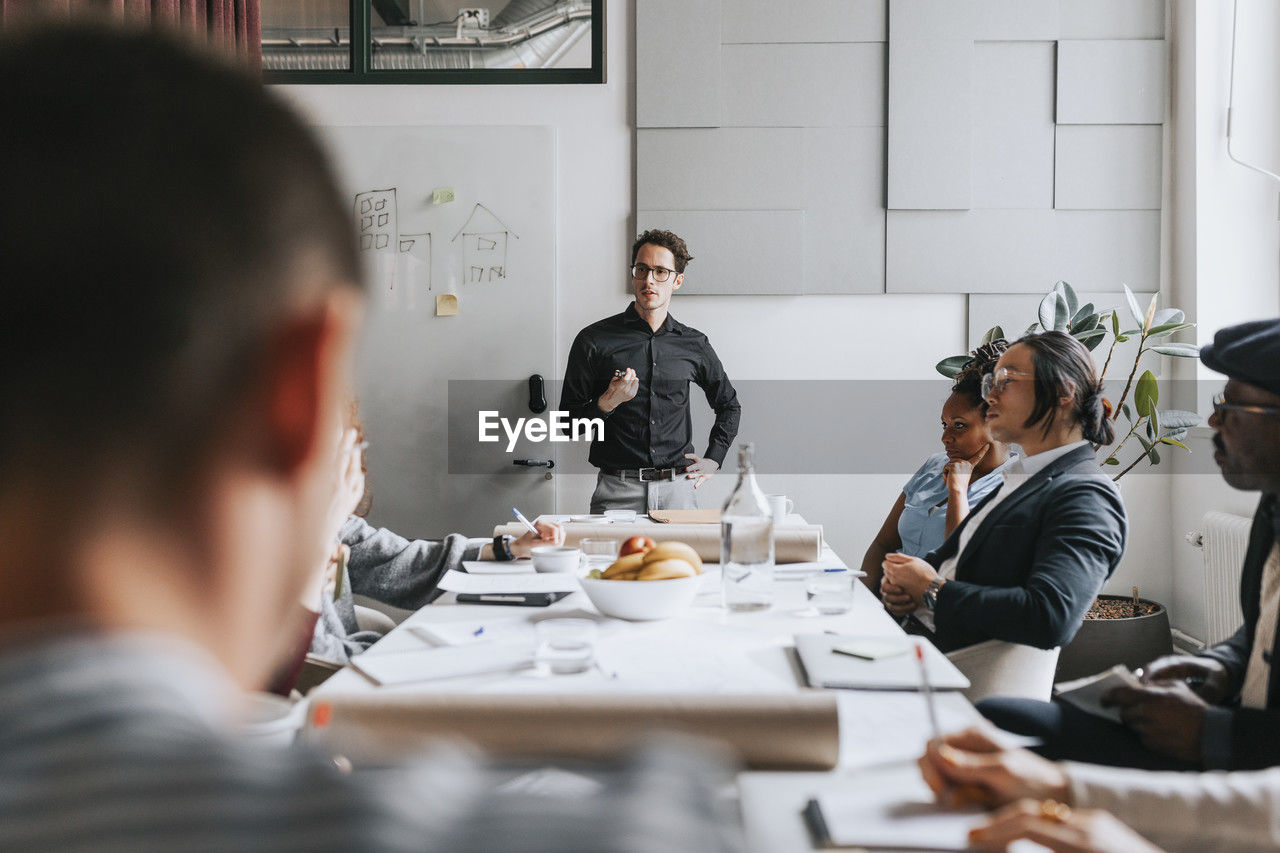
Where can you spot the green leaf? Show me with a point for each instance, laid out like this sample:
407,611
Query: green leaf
1146,445
1178,350
950,366
1091,338
1115,323
1175,419
1149,317
1068,296
1168,315
1154,422
1049,309
1146,394
1087,323
1120,339
995,333
1128,413
1168,329
1031,328
1179,434
1086,311
1129,333
1133,304
1168,439
1111,460
1153,456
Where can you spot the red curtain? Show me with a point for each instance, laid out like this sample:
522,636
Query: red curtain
231,25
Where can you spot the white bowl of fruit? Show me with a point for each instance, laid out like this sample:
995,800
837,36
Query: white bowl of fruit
647,581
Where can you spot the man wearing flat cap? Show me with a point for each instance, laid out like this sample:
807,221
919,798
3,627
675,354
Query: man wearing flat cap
1220,709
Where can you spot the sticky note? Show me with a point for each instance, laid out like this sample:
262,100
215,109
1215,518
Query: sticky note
446,305
443,195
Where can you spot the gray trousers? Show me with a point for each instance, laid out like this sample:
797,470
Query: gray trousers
614,492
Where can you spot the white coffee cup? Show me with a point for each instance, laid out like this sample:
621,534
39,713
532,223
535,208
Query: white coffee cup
780,505
555,558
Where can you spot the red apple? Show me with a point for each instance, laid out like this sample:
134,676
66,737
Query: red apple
636,545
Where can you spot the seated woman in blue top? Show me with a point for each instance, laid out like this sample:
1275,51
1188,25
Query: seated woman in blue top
938,496
1027,562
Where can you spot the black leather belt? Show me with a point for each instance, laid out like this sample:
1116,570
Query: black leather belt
645,475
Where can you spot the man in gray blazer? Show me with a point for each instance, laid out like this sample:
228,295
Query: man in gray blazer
1219,709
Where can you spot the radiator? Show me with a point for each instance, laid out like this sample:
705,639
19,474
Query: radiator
1223,541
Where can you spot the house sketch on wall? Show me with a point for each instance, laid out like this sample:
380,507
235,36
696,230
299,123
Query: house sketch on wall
404,258
484,245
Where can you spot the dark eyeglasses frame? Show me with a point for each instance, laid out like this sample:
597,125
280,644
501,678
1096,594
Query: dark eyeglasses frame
1221,407
640,272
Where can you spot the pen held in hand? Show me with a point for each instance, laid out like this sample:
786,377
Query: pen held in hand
520,517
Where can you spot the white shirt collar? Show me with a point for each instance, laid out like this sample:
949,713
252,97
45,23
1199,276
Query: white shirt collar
1028,466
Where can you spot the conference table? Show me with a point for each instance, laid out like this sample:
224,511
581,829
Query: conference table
708,650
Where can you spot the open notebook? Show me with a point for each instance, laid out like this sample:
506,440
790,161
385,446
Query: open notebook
883,668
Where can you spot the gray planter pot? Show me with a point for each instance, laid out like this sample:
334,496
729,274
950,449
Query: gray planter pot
1101,644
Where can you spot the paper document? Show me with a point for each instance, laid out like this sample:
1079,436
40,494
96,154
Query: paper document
456,581
826,667
472,631
446,662
1086,693
494,567
889,809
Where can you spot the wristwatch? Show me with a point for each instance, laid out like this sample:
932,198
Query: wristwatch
502,548
930,596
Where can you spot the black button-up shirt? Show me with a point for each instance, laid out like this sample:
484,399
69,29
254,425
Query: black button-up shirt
653,429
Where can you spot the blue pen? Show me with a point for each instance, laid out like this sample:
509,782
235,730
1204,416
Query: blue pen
525,522
478,631
829,571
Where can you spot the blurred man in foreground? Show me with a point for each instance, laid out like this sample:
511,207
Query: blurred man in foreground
179,293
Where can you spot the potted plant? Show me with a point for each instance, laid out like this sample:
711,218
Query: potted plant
1118,629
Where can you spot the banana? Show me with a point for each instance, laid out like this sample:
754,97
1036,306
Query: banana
629,563
677,550
660,570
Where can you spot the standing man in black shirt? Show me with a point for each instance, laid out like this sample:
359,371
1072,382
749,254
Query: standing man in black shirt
633,370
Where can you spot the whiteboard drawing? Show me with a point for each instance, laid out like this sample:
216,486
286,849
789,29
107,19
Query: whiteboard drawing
413,264
484,245
376,221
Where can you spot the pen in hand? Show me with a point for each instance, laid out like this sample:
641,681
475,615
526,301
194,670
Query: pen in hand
526,522
954,795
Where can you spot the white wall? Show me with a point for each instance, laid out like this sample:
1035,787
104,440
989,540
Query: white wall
846,337
1222,261
1224,241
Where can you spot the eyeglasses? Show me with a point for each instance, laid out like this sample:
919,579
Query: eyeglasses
1221,407
640,272
993,384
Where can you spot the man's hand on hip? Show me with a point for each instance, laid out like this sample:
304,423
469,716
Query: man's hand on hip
701,470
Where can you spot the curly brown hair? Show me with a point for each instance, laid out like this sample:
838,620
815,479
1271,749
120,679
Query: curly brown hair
667,240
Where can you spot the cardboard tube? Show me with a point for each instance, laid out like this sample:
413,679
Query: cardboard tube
798,544
793,731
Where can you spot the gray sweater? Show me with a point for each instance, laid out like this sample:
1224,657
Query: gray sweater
388,568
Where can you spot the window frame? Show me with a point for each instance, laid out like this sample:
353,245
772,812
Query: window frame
362,72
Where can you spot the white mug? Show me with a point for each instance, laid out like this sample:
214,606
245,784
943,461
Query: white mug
780,505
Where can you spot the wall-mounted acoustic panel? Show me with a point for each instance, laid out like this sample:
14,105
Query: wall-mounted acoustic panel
678,63
804,21
1111,19
1111,82
1012,125
976,251
1108,167
844,210
989,20
930,124
803,85
1103,249
724,169
735,251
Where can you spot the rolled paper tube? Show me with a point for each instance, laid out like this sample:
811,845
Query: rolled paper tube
792,731
798,544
